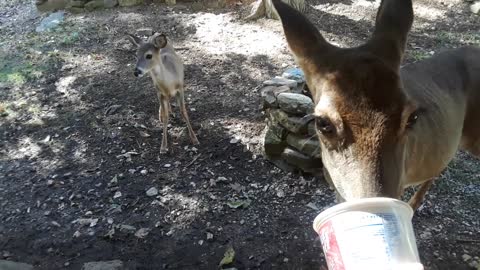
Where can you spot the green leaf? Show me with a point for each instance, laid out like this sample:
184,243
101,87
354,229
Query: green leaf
239,203
228,257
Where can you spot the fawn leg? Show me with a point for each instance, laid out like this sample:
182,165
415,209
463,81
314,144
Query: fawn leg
183,111
164,105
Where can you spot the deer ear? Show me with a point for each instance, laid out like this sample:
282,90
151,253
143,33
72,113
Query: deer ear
303,38
136,41
393,22
159,40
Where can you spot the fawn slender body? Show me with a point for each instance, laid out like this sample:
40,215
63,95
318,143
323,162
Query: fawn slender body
158,58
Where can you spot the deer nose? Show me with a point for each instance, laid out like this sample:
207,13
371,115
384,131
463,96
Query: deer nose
137,72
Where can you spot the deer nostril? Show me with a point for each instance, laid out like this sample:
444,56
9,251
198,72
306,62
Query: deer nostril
136,72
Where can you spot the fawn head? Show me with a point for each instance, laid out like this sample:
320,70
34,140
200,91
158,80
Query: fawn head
363,116
148,52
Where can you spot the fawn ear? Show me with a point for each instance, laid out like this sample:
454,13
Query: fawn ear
394,20
303,38
136,41
159,40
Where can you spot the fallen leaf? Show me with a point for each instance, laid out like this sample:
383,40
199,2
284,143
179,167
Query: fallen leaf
86,221
127,154
141,233
126,228
239,204
313,206
112,109
228,257
110,233
144,134
237,187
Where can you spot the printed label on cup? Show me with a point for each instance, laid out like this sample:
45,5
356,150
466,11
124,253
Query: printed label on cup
368,244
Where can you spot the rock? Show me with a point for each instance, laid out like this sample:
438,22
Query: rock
282,164
105,265
475,7
282,89
299,160
311,129
466,257
295,103
110,3
234,140
9,265
274,143
93,5
127,228
50,22
474,265
292,124
129,3
76,3
153,191
294,74
270,102
209,236
117,194
309,146
146,31
75,10
280,81
269,99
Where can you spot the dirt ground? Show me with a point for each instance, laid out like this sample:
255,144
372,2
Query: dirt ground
80,140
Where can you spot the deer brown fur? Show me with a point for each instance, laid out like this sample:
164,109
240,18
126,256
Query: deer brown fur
383,128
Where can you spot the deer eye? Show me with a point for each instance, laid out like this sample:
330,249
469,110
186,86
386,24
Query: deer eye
148,56
412,119
324,125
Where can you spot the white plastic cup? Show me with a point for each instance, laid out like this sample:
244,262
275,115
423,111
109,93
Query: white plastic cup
368,234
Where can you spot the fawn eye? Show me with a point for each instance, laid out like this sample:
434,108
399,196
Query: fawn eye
148,56
324,125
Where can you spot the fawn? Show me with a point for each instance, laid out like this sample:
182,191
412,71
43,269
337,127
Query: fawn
157,57
383,128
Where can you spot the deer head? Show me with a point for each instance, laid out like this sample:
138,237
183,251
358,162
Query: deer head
148,54
363,116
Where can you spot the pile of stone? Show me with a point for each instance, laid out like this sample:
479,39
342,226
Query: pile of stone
77,6
290,140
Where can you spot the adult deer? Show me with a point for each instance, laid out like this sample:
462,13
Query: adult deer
383,128
157,57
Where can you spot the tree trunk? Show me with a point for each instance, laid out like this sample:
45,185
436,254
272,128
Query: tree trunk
264,8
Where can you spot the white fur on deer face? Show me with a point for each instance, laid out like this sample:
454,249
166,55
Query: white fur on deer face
146,59
361,161
147,52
